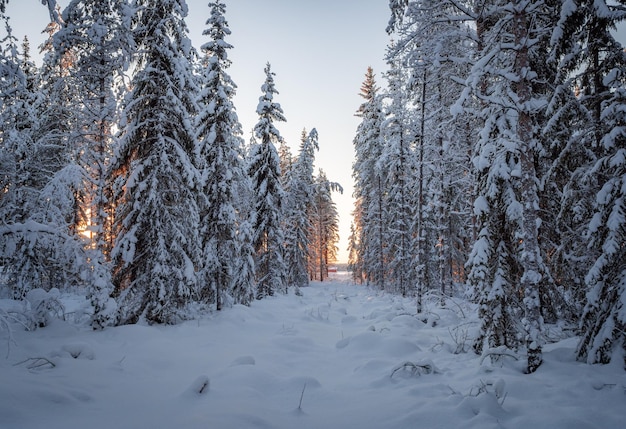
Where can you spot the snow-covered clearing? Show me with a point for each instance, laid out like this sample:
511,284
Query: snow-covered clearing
340,356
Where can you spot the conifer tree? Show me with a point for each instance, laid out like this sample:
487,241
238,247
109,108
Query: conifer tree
264,169
95,36
324,227
353,255
298,210
99,43
398,164
368,185
286,164
157,243
221,168
433,44
596,60
507,256
39,238
17,200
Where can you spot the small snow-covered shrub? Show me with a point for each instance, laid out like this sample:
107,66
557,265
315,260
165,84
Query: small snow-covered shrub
461,338
45,306
75,351
496,388
498,354
6,326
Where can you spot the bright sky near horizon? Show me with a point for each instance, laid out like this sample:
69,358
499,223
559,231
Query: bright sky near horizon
319,50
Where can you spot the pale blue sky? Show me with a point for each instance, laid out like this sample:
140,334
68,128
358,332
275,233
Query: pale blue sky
319,50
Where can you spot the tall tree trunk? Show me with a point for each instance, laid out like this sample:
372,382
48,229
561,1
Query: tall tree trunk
421,277
530,257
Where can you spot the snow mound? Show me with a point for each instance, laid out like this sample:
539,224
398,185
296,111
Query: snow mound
75,351
243,360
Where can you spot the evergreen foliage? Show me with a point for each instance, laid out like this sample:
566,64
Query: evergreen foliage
264,169
38,244
99,45
324,230
587,49
368,187
157,215
298,212
222,172
397,162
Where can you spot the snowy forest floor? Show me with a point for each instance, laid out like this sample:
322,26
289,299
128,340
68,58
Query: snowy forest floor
340,356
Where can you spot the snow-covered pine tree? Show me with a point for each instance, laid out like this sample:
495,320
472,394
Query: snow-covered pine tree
566,197
94,34
597,62
243,285
297,211
222,169
324,233
353,254
17,124
489,264
435,44
40,236
157,218
604,318
264,169
507,256
397,162
286,163
368,182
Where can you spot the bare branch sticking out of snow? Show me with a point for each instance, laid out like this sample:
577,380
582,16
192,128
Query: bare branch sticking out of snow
37,363
496,353
416,369
199,387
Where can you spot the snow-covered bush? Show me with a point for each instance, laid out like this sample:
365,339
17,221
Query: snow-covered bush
45,306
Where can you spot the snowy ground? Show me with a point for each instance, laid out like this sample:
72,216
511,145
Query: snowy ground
340,356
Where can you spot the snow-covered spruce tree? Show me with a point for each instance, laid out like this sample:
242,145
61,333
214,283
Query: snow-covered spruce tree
297,211
286,163
566,195
94,33
324,233
17,200
551,172
603,325
58,120
506,259
601,62
17,118
264,169
353,252
243,286
222,170
584,52
397,162
435,44
40,244
156,186
368,185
